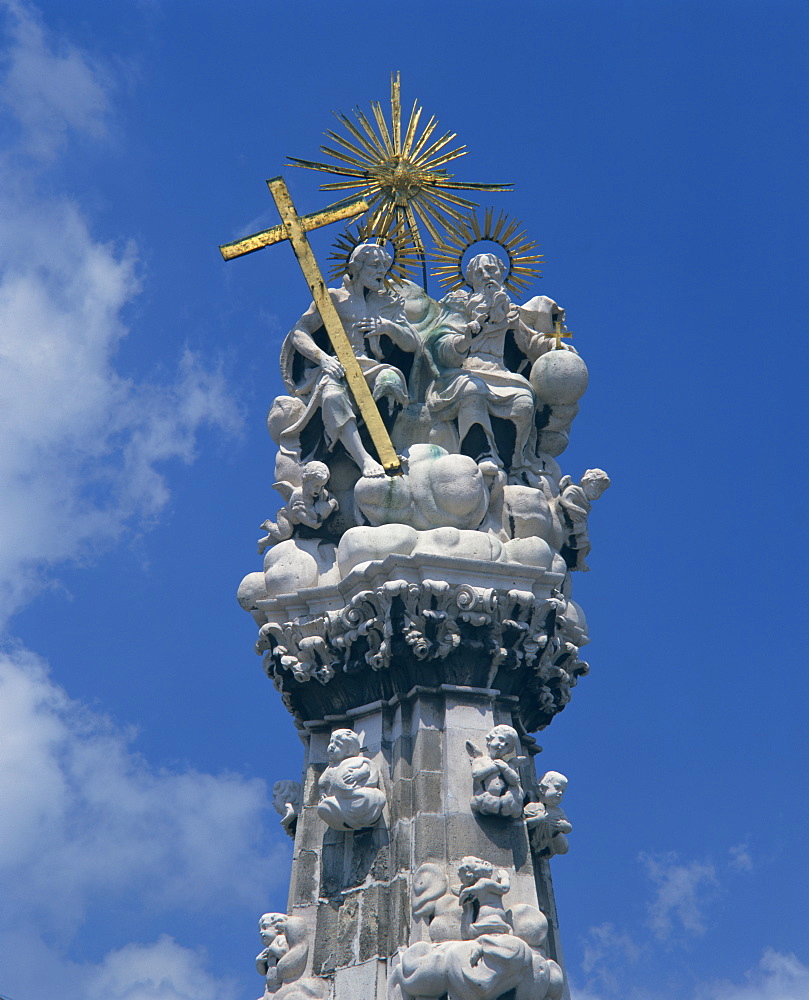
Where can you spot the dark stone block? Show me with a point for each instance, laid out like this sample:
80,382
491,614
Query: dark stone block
371,919
331,867
401,755
427,792
324,957
429,837
310,830
397,915
380,869
347,926
428,750
401,800
366,846
484,837
305,877
311,792
402,846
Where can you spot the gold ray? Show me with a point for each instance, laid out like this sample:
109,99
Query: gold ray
429,128
471,186
341,185
382,125
352,128
360,155
412,125
452,199
396,111
327,167
436,146
371,134
338,154
439,161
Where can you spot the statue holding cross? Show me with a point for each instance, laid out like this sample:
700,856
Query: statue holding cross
368,312
325,313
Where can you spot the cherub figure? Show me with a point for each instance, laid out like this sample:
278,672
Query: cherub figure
283,960
496,788
309,504
271,927
351,798
574,504
480,895
286,800
434,902
548,824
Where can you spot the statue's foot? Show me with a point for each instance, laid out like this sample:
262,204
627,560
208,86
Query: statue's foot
372,469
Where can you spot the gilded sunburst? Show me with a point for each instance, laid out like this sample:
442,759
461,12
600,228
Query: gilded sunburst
405,259
507,233
401,175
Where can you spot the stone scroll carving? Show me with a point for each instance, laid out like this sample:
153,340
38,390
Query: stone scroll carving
495,950
283,959
350,794
545,819
514,628
496,788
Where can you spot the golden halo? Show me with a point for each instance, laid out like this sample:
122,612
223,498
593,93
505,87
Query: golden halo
405,261
505,232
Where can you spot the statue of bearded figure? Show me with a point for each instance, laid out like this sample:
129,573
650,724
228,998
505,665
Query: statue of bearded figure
480,373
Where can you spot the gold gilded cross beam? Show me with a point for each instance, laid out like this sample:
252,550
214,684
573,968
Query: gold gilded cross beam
294,228
558,335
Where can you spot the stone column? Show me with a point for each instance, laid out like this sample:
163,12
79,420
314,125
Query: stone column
354,888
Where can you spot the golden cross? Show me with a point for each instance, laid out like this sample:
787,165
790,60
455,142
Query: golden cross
558,335
294,228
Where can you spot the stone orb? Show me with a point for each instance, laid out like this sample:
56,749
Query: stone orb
559,378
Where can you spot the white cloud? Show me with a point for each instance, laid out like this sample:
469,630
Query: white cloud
682,893
81,446
50,88
84,815
776,977
160,971
86,824
607,950
740,858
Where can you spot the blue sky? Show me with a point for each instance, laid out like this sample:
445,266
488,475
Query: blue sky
659,154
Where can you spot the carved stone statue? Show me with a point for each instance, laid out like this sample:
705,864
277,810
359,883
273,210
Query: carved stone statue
309,504
283,959
496,788
369,311
481,897
499,951
547,822
475,384
350,794
286,800
434,902
574,504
